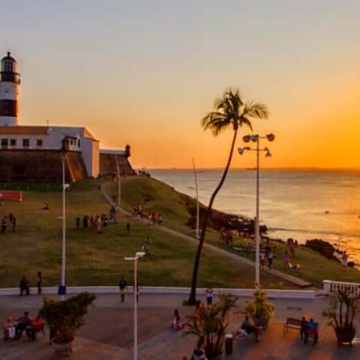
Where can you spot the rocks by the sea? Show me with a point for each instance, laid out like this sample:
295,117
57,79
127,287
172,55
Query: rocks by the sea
322,247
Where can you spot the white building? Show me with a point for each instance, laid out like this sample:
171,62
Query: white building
32,138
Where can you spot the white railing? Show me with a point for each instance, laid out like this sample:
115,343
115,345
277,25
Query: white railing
332,286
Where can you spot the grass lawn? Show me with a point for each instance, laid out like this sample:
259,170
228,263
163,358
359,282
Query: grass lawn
173,206
98,259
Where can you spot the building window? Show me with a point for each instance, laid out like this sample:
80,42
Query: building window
4,143
26,142
12,142
39,142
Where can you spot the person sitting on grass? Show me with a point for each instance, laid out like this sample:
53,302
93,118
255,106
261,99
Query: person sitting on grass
46,206
176,321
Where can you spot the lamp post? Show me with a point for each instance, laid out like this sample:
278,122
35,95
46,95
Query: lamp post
62,289
137,256
256,139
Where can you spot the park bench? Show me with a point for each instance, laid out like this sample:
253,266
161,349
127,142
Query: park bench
292,323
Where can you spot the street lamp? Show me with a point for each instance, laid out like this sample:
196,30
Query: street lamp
247,139
135,258
62,288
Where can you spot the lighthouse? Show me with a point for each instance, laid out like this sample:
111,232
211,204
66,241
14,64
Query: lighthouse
9,91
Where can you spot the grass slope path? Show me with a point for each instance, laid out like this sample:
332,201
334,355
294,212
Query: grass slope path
292,279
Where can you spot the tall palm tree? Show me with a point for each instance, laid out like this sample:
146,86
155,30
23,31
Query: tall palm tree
230,111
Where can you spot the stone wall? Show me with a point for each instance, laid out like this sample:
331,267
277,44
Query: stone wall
108,165
40,166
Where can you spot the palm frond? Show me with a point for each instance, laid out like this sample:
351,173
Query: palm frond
256,110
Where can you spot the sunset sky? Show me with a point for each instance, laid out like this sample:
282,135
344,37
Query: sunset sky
146,72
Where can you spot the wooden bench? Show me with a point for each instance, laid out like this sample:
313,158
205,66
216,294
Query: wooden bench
292,323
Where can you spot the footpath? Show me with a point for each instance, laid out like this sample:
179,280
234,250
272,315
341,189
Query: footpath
299,282
108,332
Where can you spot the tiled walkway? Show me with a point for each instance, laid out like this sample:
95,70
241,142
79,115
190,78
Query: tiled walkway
109,329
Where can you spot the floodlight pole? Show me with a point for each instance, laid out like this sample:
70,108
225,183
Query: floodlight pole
257,229
63,253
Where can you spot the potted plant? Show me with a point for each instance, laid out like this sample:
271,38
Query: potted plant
210,323
64,318
342,312
259,308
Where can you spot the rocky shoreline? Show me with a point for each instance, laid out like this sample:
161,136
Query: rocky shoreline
244,226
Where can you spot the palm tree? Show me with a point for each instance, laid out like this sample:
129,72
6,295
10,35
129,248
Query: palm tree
230,111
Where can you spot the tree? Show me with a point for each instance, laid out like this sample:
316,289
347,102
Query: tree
230,111
210,323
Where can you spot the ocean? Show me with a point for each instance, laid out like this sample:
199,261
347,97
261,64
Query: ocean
302,204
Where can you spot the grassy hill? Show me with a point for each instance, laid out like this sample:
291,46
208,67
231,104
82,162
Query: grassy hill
98,259
174,207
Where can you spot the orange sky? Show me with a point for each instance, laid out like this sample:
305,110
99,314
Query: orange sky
146,75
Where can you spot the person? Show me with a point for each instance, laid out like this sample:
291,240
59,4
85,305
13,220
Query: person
249,328
35,326
270,258
78,223
4,224
262,259
199,352
160,219
9,329
138,287
122,288
40,281
24,286
344,258
311,330
46,206
286,259
22,323
14,224
176,321
303,327
209,295
128,228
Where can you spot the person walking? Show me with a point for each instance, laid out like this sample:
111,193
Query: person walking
270,258
122,288
40,281
209,295
138,287
78,223
128,228
13,224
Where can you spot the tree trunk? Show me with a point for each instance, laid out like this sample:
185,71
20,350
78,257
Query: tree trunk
192,297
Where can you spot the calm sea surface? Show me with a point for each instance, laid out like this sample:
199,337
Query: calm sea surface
293,203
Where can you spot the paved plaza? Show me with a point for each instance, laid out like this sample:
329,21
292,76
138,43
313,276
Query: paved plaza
108,332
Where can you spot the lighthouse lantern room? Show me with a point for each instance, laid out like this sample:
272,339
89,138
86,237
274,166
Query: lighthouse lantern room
9,91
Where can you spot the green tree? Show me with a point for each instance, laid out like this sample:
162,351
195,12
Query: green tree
210,323
230,112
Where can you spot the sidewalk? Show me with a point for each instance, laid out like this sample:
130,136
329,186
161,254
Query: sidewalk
108,332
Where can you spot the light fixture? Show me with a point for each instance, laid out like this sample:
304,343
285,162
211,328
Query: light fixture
270,137
246,138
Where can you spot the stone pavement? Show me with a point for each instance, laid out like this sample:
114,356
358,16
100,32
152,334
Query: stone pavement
293,279
108,332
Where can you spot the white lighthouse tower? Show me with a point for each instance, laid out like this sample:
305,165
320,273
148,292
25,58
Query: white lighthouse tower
9,91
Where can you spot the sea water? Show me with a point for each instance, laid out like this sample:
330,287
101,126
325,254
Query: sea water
302,204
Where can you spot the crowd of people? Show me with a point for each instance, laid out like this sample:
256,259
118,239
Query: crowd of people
13,329
8,220
99,223
140,213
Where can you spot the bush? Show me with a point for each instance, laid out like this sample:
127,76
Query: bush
65,317
259,307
